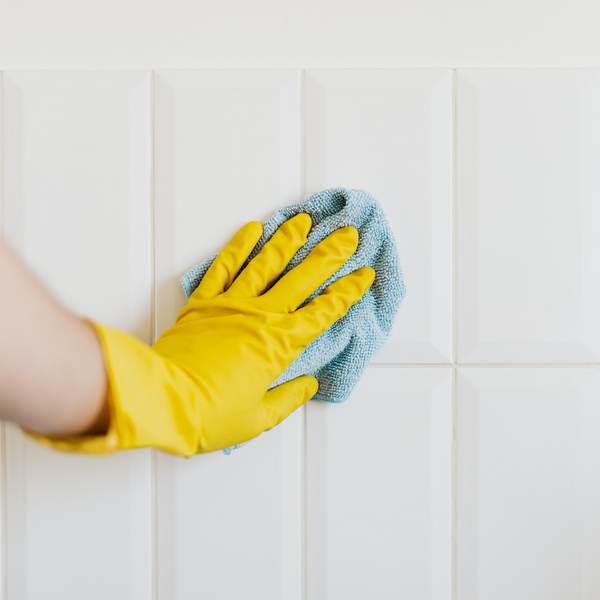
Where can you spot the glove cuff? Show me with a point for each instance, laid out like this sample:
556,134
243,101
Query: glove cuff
142,411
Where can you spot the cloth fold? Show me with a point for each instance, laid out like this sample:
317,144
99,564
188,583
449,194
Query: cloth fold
339,356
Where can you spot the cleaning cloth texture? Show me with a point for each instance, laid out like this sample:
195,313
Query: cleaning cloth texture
339,356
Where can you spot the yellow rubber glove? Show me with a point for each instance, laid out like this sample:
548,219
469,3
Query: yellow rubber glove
204,385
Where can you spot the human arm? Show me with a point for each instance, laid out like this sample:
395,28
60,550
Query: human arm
206,383
52,372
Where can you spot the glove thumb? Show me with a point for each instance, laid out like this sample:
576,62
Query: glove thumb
283,400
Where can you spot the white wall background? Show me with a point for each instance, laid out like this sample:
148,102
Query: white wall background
132,34
137,137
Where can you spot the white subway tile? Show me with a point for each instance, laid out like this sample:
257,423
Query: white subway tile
227,152
528,484
389,132
528,146
77,209
379,489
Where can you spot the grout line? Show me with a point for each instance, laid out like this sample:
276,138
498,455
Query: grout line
454,491
454,226
484,366
530,366
3,465
303,505
154,528
4,500
408,365
454,300
441,67
1,156
302,108
153,468
303,438
152,220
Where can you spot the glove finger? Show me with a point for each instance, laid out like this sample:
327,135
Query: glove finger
229,261
283,400
335,301
265,268
325,259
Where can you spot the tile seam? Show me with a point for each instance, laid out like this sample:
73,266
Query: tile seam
454,397
153,469
3,448
303,437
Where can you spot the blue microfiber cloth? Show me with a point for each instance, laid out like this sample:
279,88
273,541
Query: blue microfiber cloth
339,356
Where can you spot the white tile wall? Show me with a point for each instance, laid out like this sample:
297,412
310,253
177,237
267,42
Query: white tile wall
77,208
528,484
423,485
528,221
379,489
227,146
389,131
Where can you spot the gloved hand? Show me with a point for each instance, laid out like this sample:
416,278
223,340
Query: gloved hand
204,385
